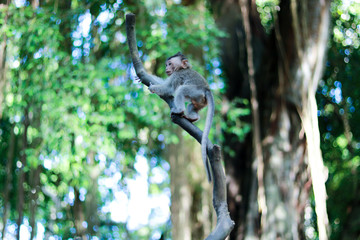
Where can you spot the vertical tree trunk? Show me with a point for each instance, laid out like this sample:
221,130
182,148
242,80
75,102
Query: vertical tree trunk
34,173
3,5
78,214
190,193
21,178
35,188
65,25
91,202
8,182
287,67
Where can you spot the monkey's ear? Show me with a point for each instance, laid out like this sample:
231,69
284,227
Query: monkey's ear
185,63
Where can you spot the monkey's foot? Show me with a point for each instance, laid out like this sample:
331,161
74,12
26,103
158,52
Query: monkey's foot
177,111
191,119
192,116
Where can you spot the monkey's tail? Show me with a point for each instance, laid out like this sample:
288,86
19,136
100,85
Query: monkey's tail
204,138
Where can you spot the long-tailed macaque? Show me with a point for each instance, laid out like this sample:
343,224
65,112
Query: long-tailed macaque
185,84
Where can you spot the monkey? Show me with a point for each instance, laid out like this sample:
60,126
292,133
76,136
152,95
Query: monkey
187,85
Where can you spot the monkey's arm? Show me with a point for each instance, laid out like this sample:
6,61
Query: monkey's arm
164,89
157,80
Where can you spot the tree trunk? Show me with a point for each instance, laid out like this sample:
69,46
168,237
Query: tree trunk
21,179
35,188
78,214
191,213
267,197
91,200
3,5
8,182
65,25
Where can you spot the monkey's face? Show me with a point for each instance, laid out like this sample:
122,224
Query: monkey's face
172,65
175,64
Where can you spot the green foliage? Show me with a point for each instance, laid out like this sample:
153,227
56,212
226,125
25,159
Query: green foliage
89,121
267,9
338,117
238,110
234,121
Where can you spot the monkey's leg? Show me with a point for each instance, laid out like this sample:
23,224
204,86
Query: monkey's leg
190,92
179,100
191,113
198,101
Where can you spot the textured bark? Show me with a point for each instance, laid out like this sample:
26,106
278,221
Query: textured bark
191,215
287,67
256,138
180,195
224,222
241,175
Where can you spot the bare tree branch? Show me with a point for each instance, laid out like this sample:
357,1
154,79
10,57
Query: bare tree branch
224,222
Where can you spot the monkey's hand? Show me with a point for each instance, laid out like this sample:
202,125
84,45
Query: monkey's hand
161,90
158,89
136,78
152,88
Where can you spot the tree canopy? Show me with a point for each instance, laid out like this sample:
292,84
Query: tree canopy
84,147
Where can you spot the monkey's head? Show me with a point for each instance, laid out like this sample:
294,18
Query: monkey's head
176,63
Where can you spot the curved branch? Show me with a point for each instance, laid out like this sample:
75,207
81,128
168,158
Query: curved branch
224,223
148,79
131,38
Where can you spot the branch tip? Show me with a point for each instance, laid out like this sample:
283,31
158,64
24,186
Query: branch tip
130,19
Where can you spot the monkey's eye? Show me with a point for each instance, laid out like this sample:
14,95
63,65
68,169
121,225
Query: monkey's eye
169,64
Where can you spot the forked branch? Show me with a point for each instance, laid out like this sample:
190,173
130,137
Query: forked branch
224,223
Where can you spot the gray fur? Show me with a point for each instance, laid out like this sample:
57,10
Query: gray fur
188,85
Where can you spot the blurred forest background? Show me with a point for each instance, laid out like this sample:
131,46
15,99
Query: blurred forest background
86,151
